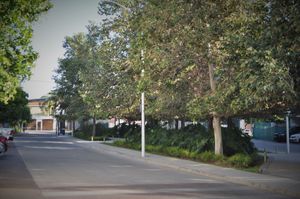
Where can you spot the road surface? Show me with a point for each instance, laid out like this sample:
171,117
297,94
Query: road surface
53,167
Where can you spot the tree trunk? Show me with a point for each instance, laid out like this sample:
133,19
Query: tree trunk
210,124
216,116
94,128
182,123
218,134
176,124
230,123
73,127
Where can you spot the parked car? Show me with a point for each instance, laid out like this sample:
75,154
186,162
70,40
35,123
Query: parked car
248,132
8,133
281,137
295,137
3,142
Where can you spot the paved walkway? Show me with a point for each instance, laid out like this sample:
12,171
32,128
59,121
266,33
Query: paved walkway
279,162
275,184
283,165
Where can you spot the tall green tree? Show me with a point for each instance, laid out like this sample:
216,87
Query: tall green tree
219,48
16,53
66,96
107,81
16,112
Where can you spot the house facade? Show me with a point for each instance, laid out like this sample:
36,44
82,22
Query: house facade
41,118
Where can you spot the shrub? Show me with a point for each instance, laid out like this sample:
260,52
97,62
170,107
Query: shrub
191,138
121,143
154,149
102,132
81,135
172,151
209,156
132,134
240,160
234,141
183,153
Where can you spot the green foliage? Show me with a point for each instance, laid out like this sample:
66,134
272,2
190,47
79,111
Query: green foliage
193,138
236,142
101,131
182,40
210,157
16,111
16,53
240,160
200,59
125,130
82,135
66,98
129,145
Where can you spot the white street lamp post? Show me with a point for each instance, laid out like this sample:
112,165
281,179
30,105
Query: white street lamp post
143,125
143,114
288,132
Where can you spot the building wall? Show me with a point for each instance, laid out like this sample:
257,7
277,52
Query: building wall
48,124
31,125
41,120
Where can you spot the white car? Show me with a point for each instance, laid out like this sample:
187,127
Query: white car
8,133
295,137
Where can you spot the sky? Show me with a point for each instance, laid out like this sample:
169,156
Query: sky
65,18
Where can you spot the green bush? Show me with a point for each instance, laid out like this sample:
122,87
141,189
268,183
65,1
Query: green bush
81,135
121,143
234,141
102,132
154,149
172,151
191,142
185,154
191,138
194,138
209,156
240,160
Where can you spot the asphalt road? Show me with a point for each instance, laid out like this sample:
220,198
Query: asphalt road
50,167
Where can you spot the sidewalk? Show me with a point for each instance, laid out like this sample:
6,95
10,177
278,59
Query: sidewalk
275,184
283,165
279,162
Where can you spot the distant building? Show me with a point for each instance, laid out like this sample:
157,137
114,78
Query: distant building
41,118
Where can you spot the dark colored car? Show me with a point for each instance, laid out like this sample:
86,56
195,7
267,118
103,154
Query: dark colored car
281,137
